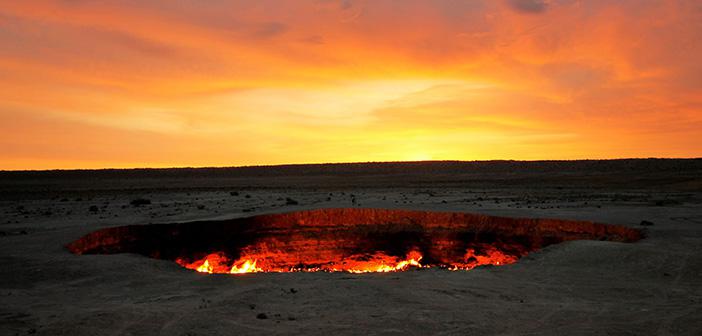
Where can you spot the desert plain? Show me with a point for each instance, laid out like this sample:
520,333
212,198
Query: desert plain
584,287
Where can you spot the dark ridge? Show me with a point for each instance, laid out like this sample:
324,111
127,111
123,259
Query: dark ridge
372,168
652,174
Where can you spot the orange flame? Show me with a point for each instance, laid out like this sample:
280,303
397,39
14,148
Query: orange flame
212,263
412,259
205,267
379,262
247,267
487,256
218,263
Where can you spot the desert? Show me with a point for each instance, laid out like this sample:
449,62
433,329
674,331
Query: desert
651,286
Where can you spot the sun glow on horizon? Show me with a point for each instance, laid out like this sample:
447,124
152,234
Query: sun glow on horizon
418,157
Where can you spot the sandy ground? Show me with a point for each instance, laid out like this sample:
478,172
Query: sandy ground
652,287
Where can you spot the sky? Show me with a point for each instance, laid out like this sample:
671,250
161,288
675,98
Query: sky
167,83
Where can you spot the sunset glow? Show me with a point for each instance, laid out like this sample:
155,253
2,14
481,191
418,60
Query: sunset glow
95,84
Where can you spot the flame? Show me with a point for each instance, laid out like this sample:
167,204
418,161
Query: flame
412,259
485,255
490,256
212,263
379,262
247,267
205,267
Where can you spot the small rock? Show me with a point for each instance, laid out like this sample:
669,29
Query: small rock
234,193
93,208
261,316
140,201
646,223
293,290
290,201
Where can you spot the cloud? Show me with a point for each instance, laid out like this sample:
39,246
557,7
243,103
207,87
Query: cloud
133,42
528,6
270,29
313,39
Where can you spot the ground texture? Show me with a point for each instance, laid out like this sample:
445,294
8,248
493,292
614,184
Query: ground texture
651,287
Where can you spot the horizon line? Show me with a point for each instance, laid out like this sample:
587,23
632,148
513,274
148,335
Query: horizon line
339,163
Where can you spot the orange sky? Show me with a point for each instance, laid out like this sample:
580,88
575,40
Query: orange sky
92,84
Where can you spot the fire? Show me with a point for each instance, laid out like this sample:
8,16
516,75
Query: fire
205,267
486,255
412,259
247,267
219,263
490,256
379,262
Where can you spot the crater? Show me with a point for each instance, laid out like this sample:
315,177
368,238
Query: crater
346,240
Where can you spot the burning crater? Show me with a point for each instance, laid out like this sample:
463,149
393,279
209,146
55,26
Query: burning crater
348,240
